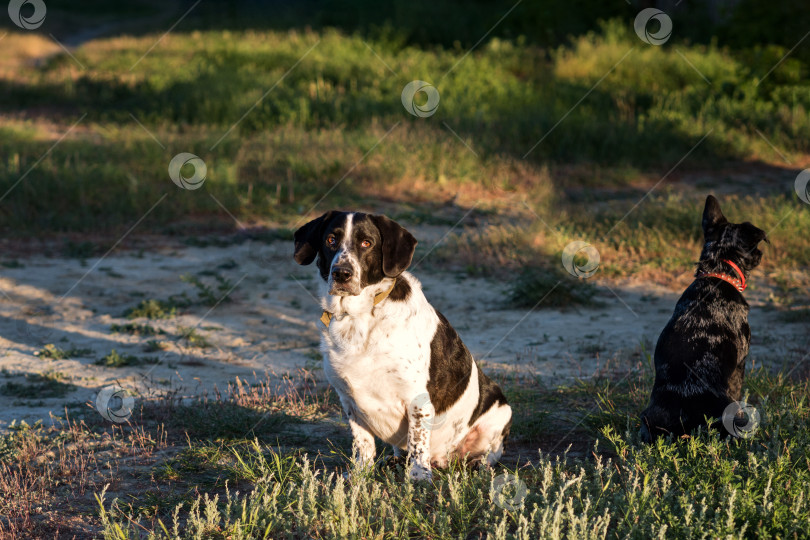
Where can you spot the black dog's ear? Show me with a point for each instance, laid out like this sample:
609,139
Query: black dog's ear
308,238
398,245
753,235
712,215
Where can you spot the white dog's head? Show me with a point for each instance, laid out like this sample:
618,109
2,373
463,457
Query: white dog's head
354,250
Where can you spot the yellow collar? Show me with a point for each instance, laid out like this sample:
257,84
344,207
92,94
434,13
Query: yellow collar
326,317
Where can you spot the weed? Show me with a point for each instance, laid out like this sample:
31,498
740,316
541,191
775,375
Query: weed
154,345
115,359
543,288
138,329
205,293
152,309
51,384
193,338
53,352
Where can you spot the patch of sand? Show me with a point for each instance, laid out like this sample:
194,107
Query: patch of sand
270,324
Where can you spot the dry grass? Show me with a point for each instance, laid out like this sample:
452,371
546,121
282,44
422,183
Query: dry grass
287,440
22,51
48,476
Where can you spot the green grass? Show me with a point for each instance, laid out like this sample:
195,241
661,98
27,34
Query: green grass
193,338
618,488
341,100
653,96
115,360
339,112
211,295
151,309
54,352
658,241
551,289
143,310
260,462
38,386
640,493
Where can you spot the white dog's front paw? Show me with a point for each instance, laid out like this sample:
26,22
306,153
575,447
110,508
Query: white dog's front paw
419,473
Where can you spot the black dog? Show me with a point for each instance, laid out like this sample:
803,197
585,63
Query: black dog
700,355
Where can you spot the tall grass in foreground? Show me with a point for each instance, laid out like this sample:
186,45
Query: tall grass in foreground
267,461
699,487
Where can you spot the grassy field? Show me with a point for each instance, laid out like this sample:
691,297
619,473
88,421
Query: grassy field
252,464
577,132
334,127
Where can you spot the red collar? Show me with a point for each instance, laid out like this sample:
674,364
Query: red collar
738,282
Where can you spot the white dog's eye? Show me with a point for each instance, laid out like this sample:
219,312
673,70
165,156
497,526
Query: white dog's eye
366,243
331,240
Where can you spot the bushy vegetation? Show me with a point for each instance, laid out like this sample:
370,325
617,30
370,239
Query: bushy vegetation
334,125
307,127
252,464
702,486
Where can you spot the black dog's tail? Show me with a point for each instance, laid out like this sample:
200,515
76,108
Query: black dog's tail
657,422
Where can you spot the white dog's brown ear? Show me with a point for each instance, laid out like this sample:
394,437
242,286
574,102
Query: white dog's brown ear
308,238
398,245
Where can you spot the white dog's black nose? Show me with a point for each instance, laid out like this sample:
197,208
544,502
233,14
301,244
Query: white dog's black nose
341,274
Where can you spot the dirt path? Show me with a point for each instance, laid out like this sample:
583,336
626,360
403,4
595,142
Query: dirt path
270,325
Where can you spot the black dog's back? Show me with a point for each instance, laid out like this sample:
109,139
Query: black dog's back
699,359
700,355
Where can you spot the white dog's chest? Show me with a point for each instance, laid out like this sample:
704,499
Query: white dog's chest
376,373
373,392
360,346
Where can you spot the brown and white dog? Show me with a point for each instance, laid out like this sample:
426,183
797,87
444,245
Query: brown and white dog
400,369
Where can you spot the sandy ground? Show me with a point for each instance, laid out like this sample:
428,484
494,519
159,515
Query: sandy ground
270,325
